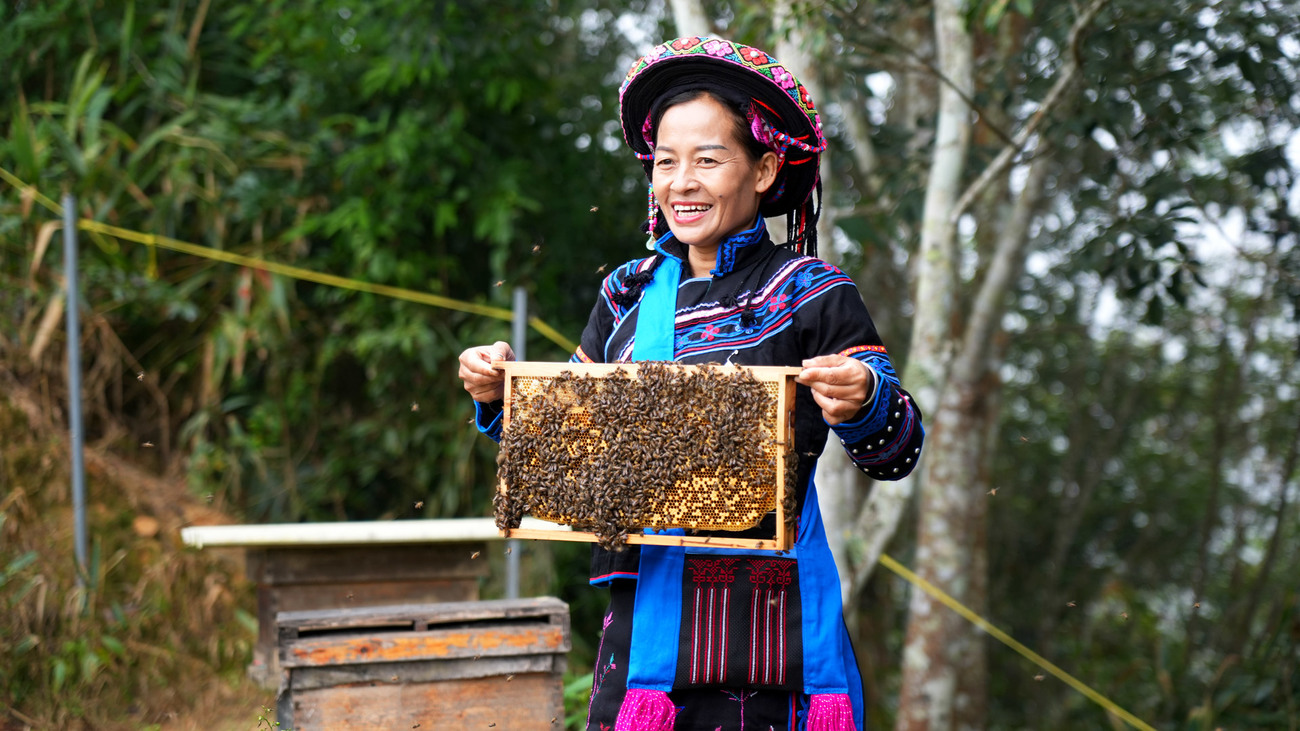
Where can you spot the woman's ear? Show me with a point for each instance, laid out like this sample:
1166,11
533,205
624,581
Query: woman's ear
767,166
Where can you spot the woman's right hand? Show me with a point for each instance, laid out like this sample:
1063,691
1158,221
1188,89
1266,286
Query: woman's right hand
485,383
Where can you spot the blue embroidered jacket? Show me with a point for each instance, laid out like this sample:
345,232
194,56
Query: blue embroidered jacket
763,305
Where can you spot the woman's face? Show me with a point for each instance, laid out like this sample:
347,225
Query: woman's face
705,184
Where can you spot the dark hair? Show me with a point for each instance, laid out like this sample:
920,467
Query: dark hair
738,107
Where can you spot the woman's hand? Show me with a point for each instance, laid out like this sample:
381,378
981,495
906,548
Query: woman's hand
840,385
485,383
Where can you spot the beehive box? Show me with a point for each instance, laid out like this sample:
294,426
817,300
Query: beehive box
463,665
706,448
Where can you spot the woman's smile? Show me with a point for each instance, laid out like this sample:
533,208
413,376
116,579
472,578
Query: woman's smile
688,213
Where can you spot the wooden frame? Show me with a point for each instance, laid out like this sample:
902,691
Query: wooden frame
782,376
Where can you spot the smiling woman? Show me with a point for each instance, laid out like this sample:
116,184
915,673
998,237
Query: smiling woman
718,638
706,179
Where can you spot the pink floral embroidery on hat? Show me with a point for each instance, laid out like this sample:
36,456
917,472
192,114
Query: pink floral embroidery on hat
719,48
782,77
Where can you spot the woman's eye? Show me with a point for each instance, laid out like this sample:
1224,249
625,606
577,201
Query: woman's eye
664,163
708,161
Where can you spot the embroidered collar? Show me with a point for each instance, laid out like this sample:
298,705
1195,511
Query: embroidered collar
736,250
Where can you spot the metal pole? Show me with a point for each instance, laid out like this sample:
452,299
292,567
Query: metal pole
72,291
519,342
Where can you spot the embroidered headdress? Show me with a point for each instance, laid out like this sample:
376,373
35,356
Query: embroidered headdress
780,111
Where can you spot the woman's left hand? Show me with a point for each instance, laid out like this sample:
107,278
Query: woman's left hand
840,385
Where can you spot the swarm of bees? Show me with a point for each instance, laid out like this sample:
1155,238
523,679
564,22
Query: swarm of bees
670,447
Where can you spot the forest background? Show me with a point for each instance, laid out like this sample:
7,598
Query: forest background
1074,224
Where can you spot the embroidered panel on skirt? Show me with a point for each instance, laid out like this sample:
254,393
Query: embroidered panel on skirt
740,623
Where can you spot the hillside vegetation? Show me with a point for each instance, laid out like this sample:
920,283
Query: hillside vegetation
158,636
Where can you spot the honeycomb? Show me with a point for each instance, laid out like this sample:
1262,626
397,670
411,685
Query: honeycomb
672,446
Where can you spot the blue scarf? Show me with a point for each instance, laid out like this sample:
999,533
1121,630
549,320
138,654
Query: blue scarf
830,675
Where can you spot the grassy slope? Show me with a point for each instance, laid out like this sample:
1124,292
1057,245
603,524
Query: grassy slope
161,634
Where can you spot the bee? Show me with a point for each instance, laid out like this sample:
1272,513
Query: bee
139,376
595,208
499,282
473,555
993,492
419,504
601,269
509,678
147,445
1071,605
1196,605
415,406
1123,616
1039,677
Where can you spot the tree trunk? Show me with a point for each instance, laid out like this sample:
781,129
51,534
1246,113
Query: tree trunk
689,18
929,680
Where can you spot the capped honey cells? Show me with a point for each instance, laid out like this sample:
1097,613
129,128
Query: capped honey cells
671,446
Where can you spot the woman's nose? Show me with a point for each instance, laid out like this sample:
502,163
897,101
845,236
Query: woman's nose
684,178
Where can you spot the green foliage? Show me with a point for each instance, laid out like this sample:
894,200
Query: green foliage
1148,471
433,147
577,697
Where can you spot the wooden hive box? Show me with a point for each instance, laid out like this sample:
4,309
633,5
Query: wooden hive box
463,665
731,497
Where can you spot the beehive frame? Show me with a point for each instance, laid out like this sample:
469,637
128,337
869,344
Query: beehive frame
777,380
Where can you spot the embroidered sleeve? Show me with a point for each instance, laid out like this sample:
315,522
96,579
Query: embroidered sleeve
885,438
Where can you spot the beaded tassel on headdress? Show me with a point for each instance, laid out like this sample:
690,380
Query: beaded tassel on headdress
652,216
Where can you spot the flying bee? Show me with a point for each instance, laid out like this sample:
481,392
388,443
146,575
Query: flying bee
500,282
419,504
601,268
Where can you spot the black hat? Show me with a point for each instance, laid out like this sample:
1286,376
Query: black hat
782,114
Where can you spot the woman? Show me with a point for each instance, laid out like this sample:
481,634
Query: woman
728,137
